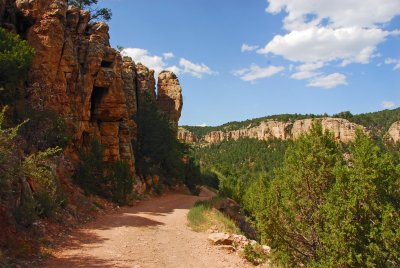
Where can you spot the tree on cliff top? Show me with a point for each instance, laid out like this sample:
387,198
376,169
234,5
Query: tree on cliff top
15,59
96,13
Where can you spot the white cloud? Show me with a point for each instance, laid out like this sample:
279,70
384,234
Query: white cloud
307,70
395,62
328,81
202,125
196,70
247,48
256,72
324,31
339,13
175,69
158,63
388,104
326,44
168,55
146,58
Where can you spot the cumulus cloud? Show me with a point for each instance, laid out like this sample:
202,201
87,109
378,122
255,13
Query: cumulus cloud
202,125
307,70
388,104
168,55
255,72
159,63
324,31
146,58
196,70
326,44
395,62
328,81
339,13
247,48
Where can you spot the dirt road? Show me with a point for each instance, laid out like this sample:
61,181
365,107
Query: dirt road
152,234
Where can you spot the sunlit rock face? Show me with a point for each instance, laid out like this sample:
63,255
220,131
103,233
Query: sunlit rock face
186,136
76,74
169,96
343,130
394,132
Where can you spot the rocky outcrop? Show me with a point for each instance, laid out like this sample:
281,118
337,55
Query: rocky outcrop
265,131
394,132
186,136
169,96
146,82
76,74
344,131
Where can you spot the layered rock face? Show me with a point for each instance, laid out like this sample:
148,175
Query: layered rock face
169,96
186,136
265,131
146,83
343,130
394,132
76,74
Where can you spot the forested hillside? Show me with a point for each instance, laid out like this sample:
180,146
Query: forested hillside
316,202
378,121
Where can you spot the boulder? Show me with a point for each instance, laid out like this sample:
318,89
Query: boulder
220,239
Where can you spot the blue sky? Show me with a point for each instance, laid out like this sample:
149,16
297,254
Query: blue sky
244,59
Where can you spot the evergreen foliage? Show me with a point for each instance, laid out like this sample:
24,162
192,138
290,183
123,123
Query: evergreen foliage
91,5
157,149
90,170
239,163
15,59
376,121
122,182
95,177
315,202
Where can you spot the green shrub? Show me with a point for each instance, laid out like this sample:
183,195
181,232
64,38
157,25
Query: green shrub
255,254
15,59
95,177
122,182
157,149
45,129
362,212
26,212
95,12
10,159
89,172
47,195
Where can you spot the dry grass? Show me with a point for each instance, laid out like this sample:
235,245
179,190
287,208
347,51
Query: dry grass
204,216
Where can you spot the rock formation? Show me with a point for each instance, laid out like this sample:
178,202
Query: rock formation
186,136
146,82
265,131
169,96
344,131
76,74
394,132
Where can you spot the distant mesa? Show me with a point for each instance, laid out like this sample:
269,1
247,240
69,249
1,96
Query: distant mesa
343,130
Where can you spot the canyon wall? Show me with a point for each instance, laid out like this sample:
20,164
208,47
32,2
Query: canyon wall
76,74
394,132
343,130
186,136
